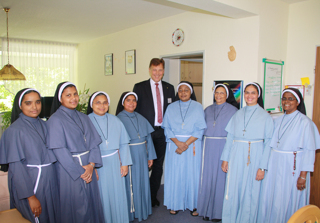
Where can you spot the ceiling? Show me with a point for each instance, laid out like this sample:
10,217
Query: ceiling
76,21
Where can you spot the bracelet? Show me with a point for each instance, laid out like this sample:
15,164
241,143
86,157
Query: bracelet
302,178
92,165
262,169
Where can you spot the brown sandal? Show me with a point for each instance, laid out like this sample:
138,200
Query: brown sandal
173,212
194,213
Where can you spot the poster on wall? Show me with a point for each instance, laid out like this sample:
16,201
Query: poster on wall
108,64
272,85
236,87
130,61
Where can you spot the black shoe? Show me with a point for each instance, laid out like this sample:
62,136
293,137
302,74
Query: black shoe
216,220
155,202
205,218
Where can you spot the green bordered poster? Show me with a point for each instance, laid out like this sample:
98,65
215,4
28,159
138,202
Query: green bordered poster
272,85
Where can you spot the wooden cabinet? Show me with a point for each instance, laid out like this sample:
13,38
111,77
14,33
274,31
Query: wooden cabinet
192,71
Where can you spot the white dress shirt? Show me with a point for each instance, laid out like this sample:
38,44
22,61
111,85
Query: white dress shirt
154,96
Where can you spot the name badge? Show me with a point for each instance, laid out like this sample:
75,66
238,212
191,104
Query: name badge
169,100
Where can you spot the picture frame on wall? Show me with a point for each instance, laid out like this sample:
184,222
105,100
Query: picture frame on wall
236,87
108,64
130,56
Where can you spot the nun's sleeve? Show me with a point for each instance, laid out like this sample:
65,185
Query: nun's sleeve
200,123
21,180
150,148
94,141
166,125
124,149
263,164
229,141
227,147
308,158
310,138
64,157
95,156
12,153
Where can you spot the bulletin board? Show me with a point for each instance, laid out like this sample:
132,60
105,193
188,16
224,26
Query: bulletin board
272,85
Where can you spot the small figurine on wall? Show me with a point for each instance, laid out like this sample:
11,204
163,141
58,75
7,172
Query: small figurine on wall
232,54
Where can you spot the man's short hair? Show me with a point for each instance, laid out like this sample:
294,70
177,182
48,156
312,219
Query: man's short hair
156,62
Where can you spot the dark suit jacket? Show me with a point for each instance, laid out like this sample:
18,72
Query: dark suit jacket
145,105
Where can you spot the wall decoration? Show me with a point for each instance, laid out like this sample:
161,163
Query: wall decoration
108,64
272,87
236,87
130,62
232,53
177,37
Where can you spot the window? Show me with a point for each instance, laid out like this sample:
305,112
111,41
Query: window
44,64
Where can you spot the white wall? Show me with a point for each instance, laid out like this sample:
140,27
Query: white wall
203,32
303,37
272,33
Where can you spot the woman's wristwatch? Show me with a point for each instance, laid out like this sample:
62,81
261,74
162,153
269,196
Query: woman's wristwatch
262,169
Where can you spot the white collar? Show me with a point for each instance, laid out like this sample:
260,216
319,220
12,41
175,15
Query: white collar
153,82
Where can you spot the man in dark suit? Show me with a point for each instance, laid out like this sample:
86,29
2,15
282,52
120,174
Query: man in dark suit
154,96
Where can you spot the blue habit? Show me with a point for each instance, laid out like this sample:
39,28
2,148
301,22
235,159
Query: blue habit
22,144
280,197
138,175
212,178
71,133
242,190
115,152
182,172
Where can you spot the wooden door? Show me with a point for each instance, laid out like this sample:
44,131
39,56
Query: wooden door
315,176
192,71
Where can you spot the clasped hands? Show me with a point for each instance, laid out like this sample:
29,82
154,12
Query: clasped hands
182,146
87,175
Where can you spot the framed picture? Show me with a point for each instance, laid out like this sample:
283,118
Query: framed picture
130,62
108,64
236,87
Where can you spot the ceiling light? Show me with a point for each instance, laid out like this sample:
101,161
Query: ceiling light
9,72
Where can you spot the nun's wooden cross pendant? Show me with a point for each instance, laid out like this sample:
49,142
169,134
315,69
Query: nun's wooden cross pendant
84,137
278,144
182,125
107,143
243,131
214,123
139,135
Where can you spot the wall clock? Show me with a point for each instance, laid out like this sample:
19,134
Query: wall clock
177,37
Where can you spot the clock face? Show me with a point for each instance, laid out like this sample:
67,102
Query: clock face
177,37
